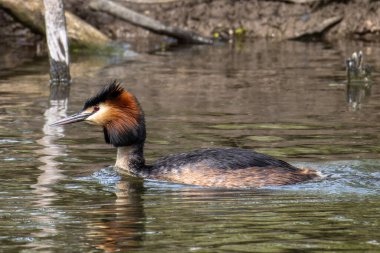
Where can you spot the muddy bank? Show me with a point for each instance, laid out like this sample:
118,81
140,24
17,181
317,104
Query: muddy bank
281,19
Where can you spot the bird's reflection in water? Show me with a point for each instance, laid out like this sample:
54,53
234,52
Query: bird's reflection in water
121,226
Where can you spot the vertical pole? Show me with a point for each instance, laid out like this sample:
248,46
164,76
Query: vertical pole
56,37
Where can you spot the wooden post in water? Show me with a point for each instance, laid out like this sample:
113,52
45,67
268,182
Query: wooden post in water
56,37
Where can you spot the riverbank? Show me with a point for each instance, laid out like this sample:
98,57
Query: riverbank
228,19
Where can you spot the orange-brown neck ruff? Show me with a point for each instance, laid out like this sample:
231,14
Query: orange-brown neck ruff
125,121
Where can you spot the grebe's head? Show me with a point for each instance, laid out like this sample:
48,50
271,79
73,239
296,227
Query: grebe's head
117,111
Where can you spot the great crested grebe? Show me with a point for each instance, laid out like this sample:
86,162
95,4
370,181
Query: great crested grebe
122,119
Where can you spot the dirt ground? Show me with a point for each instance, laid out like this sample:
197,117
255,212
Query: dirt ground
276,19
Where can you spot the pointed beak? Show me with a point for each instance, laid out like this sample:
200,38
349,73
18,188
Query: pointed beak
78,117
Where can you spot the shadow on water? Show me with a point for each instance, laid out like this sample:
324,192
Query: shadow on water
272,97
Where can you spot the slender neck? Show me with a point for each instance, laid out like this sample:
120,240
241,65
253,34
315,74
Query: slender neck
130,160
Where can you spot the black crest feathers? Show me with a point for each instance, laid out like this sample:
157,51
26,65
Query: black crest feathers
109,92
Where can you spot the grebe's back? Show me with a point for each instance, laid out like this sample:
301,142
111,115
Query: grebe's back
227,167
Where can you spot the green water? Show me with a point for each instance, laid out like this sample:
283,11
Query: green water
58,192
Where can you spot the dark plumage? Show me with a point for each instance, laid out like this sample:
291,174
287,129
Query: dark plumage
125,136
223,158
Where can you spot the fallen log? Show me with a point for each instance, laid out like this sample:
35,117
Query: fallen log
148,23
31,14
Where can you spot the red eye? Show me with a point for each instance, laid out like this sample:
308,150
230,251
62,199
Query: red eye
96,108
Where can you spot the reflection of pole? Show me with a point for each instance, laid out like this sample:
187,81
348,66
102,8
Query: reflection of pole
356,94
51,174
56,37
358,81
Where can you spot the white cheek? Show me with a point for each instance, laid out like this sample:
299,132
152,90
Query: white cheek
99,117
90,122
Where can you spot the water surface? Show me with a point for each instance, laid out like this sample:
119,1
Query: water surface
58,191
